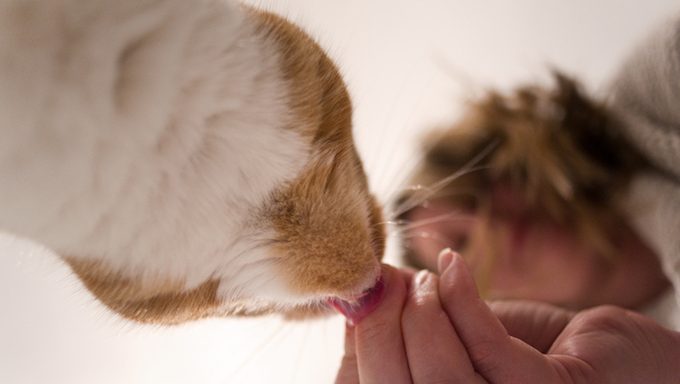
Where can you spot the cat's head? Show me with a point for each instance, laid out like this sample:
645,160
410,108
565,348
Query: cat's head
321,233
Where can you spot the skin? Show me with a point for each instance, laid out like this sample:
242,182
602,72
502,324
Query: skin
436,329
529,248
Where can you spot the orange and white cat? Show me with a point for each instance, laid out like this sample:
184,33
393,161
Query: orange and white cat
185,158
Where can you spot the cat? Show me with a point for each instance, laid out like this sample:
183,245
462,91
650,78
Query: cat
185,159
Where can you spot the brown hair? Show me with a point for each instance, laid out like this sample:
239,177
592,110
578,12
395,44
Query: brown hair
560,149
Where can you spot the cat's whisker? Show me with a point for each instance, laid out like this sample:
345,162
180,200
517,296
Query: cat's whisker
300,354
417,199
471,166
469,88
441,240
382,172
451,216
265,342
417,161
400,174
468,167
324,336
413,163
392,214
391,222
405,225
376,162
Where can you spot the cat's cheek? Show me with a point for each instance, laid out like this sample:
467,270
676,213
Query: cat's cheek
299,291
305,277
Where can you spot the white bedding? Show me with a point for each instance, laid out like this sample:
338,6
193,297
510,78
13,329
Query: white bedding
647,92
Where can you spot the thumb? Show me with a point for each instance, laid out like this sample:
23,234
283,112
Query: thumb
537,324
496,356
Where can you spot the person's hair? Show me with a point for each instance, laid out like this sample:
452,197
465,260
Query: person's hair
563,151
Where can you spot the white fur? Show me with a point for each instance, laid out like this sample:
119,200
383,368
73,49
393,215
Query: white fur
145,134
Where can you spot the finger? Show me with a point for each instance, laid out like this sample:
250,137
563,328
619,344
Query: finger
435,353
348,372
598,340
407,274
495,355
379,345
537,324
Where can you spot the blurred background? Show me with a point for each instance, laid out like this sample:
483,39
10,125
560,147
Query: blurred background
408,65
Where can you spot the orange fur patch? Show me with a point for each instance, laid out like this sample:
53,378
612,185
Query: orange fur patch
330,231
329,226
164,302
156,302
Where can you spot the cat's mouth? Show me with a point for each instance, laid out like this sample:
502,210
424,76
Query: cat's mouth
359,307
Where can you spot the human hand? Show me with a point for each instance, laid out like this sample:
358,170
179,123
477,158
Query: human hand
431,329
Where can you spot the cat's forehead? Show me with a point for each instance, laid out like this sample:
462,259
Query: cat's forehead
318,98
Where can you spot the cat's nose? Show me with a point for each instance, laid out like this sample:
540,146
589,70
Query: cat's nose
354,304
357,308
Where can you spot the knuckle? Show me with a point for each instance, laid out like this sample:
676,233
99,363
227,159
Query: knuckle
347,374
348,361
482,353
376,333
607,311
423,300
426,301
420,312
436,379
448,287
455,288
604,318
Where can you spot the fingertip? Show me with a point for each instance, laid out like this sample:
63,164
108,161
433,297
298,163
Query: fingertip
348,372
372,299
444,259
379,343
407,274
457,275
422,282
349,338
388,273
394,280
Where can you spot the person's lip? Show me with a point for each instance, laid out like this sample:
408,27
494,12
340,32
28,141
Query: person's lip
356,309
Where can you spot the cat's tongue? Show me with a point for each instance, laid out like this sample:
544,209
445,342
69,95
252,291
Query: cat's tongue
357,309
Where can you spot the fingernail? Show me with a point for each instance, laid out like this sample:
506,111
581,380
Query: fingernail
420,278
362,306
422,283
444,259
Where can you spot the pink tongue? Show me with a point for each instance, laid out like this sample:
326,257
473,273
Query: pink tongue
359,308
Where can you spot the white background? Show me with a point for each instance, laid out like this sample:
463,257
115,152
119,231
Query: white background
409,65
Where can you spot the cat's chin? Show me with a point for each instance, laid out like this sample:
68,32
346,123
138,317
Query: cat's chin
359,307
308,313
354,307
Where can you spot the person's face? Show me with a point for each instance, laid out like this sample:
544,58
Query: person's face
533,257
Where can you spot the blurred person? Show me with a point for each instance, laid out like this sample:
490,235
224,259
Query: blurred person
568,202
